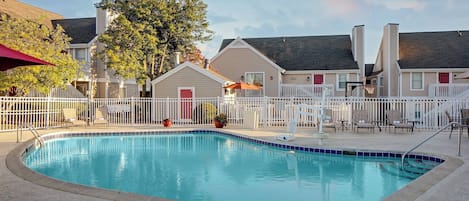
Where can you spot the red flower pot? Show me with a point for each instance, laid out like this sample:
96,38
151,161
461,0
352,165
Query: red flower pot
167,123
218,124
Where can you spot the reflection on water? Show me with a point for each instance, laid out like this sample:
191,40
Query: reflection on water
210,167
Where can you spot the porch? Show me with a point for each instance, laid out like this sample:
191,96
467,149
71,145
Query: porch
305,90
448,90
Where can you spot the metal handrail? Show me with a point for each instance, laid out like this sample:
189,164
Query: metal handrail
430,137
33,130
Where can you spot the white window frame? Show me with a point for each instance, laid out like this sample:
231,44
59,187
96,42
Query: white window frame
380,85
412,83
85,52
263,84
337,81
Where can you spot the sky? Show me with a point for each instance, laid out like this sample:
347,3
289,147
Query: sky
279,18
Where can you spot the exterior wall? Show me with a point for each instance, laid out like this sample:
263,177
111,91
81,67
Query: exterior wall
234,62
188,77
330,78
428,78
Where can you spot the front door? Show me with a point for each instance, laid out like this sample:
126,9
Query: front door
185,97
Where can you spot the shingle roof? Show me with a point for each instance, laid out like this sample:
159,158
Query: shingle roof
449,49
305,52
81,30
22,10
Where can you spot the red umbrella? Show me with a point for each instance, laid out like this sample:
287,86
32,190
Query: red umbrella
243,85
10,58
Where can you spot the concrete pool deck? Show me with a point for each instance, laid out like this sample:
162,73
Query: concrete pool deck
453,187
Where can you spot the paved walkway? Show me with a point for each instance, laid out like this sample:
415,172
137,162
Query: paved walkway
454,187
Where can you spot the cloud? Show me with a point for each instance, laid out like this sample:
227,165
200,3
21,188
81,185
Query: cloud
219,19
399,4
341,8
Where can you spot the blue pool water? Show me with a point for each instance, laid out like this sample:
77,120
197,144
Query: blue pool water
211,166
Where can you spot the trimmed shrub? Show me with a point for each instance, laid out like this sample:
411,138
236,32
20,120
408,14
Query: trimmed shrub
204,113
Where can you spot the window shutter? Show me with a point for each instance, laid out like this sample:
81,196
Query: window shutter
443,77
318,78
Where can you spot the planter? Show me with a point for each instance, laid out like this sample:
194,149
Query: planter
218,124
167,123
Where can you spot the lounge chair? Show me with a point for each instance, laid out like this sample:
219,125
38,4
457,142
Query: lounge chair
360,120
328,120
451,119
99,117
394,119
70,116
465,119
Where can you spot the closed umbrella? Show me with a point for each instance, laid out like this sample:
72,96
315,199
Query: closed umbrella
10,58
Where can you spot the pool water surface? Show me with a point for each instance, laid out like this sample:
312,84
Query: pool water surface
213,166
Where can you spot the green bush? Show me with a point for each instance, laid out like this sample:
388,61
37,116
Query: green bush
204,113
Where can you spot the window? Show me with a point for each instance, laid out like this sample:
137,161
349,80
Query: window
416,81
80,54
381,86
341,79
443,78
256,78
318,79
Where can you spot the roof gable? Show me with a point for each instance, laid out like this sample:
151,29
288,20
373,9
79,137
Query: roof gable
305,52
240,43
81,30
212,75
448,49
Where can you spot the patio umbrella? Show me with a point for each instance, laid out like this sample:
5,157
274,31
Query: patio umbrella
10,58
244,86
464,75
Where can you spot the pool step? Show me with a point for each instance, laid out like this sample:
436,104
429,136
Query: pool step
409,172
421,164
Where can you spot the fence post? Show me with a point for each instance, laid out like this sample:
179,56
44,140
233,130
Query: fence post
48,111
167,108
266,110
132,110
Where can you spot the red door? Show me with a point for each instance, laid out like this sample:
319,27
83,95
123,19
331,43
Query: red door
186,103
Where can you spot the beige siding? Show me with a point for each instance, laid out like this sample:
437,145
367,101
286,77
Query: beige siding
329,79
188,77
234,62
428,78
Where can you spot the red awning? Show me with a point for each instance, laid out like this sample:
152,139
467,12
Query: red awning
10,58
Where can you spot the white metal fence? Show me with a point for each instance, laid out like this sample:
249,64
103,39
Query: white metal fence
199,112
305,90
447,90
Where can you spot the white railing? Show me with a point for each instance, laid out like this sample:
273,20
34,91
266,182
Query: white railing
447,90
305,90
43,112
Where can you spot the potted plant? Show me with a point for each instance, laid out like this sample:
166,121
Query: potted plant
167,122
220,120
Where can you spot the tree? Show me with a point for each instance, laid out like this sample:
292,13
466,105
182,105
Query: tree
39,41
145,32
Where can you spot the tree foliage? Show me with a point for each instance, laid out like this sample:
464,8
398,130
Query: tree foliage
145,32
41,42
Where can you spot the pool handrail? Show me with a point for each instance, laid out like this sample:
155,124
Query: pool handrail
430,137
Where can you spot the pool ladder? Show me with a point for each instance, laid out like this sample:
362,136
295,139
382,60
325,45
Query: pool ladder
433,135
33,130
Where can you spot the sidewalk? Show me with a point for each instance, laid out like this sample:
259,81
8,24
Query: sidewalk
454,187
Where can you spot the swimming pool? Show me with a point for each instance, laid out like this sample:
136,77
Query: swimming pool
207,165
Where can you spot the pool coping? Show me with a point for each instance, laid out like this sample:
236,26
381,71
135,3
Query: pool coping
410,192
